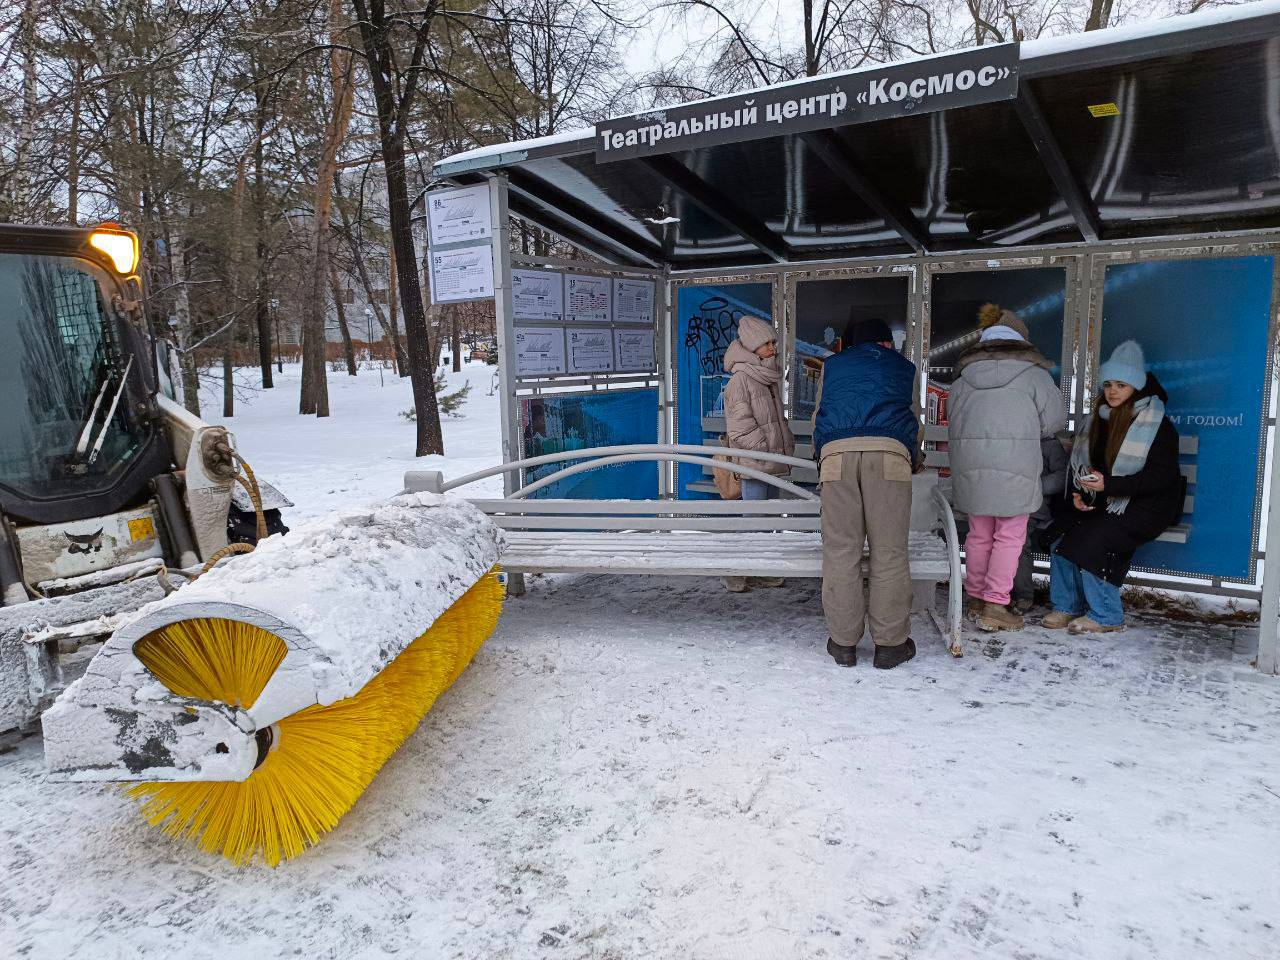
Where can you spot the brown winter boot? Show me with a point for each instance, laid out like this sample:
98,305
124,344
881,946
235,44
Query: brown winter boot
1056,620
1089,625
994,617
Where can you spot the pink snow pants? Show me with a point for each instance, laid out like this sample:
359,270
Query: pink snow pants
991,556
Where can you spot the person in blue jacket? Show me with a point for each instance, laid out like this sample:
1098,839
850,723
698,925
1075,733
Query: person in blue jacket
866,436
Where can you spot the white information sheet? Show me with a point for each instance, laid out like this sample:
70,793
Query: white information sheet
634,349
463,273
633,301
537,295
539,350
587,299
457,215
590,351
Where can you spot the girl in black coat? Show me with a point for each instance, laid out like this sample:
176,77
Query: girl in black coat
1126,489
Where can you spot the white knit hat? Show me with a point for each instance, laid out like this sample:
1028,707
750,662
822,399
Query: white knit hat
1127,365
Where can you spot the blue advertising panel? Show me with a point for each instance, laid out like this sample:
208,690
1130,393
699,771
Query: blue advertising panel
1203,325
707,319
558,422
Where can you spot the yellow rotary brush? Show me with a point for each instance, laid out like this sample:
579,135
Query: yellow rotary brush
224,698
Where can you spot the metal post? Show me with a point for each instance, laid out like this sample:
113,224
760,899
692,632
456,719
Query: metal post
502,316
1269,612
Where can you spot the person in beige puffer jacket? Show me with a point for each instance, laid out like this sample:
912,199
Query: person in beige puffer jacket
754,418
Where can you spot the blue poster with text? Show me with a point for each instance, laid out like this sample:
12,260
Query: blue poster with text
1203,327
707,319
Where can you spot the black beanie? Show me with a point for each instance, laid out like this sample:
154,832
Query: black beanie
866,331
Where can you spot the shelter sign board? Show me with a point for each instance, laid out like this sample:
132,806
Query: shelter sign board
590,350
537,295
981,75
459,215
588,299
462,273
633,301
539,350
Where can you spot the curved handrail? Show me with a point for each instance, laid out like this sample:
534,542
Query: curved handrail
588,452
955,604
737,468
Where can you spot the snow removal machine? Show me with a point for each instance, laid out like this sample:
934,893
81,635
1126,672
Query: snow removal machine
248,686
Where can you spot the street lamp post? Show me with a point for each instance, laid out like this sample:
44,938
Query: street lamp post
368,321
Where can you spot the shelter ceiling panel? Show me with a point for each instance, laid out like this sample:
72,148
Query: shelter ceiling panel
1195,142
780,184
627,197
970,176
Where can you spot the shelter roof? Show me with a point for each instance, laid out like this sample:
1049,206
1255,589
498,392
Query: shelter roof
1159,129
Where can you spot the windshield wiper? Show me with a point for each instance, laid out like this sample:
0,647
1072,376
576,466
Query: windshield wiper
111,412
87,432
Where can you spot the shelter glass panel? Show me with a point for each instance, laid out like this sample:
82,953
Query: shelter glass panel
823,308
706,323
1203,326
1037,295
558,423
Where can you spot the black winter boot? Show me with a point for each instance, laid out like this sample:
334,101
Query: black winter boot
889,657
845,656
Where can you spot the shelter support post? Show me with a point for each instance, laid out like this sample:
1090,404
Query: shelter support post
502,316
1079,203
1269,612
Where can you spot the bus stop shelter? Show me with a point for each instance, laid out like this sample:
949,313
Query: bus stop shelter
1122,184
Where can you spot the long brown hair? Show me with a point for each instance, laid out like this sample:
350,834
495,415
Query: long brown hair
1106,436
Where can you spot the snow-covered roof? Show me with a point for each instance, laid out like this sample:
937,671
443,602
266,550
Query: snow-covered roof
1032,55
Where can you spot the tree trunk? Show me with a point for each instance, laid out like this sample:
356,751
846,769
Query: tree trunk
73,149
228,372
262,308
402,363
810,48
21,202
314,396
394,110
348,350
457,338
182,313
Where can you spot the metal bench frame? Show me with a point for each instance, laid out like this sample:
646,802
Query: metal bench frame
776,537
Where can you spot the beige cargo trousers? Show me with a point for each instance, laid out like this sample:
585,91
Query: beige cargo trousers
866,496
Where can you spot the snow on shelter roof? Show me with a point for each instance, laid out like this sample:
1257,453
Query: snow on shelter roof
1057,51
1143,132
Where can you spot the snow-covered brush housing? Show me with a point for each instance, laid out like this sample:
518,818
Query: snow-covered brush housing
255,705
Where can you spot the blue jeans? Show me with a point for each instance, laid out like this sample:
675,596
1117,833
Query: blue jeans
757,489
1076,591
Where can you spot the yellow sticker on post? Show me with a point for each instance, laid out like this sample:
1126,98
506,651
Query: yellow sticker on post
143,528
1104,110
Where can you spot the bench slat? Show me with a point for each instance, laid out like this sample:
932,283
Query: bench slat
631,507
729,524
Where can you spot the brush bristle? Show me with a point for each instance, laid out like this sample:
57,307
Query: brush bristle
325,756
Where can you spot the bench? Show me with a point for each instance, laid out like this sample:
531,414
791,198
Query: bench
779,537
1188,447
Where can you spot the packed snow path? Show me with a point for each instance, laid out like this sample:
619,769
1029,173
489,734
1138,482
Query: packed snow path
656,768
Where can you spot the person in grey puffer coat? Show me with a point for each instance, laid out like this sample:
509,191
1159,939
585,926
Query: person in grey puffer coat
1002,404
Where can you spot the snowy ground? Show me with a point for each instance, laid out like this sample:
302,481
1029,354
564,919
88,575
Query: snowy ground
655,768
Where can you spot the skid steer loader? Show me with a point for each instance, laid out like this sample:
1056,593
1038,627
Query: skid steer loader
109,488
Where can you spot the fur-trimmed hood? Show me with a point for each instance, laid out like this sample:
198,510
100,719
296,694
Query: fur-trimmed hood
1002,350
